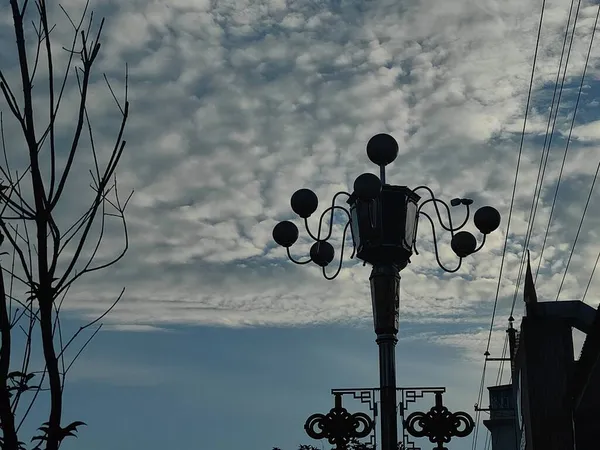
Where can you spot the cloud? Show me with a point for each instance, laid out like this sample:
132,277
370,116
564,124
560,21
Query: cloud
587,132
134,328
235,105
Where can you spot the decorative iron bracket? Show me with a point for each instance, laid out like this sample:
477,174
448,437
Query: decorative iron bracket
339,426
439,424
406,396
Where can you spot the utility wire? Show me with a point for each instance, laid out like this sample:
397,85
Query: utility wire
591,278
488,441
551,134
587,59
501,368
597,168
512,202
499,378
478,412
578,230
548,139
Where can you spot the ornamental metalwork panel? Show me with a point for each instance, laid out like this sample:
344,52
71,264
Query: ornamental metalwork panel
368,397
438,424
408,397
339,426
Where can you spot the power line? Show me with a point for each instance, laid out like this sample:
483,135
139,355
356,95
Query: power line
591,278
595,176
501,368
478,412
557,109
488,441
567,144
512,202
536,193
546,152
597,168
578,230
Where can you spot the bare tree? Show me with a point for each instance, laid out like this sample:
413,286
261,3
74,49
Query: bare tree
47,248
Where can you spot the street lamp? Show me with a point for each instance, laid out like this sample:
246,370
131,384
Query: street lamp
383,220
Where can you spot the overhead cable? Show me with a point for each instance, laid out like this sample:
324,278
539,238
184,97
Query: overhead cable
597,168
546,152
567,143
587,203
512,202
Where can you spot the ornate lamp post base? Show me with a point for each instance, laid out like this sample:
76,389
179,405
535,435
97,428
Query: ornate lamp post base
438,424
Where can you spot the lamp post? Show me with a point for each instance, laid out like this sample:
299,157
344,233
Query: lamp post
383,220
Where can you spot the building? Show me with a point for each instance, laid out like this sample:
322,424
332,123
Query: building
555,399
502,417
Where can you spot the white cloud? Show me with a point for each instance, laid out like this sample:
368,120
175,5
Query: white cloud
235,105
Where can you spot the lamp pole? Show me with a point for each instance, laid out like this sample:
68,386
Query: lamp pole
383,220
385,291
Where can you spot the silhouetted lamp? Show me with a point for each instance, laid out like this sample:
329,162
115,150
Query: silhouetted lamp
383,218
383,221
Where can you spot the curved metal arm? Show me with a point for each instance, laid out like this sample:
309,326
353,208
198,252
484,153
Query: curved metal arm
435,201
331,209
450,227
318,238
480,245
437,255
295,261
331,277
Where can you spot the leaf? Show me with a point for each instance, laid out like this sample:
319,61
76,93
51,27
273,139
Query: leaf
71,429
73,426
15,374
39,438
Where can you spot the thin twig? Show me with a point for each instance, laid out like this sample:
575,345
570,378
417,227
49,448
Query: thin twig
93,322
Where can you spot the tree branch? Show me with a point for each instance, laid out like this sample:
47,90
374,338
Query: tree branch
6,416
87,59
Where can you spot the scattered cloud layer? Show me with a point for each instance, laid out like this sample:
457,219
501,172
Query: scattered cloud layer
236,104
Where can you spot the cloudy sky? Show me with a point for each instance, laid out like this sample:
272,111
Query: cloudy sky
219,342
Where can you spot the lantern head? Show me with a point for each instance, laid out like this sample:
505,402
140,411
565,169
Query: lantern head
384,228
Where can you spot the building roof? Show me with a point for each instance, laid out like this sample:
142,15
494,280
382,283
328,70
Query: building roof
529,294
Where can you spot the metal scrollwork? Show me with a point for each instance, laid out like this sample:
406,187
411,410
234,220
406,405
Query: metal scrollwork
439,424
338,426
382,219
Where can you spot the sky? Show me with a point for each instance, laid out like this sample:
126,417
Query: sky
219,341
